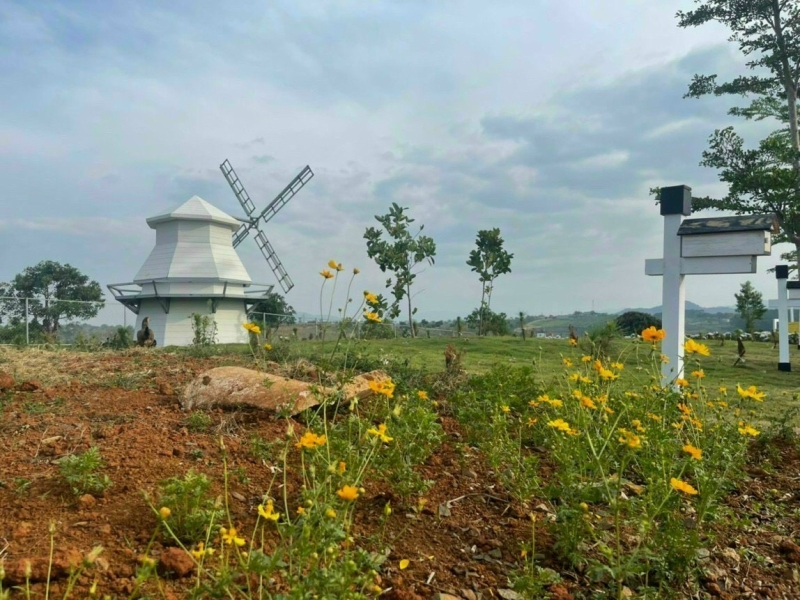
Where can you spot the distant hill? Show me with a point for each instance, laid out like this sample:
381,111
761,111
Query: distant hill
656,310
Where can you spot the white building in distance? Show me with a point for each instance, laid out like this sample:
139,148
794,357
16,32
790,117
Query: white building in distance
193,268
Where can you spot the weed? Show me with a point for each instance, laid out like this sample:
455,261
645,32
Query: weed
81,472
198,421
192,510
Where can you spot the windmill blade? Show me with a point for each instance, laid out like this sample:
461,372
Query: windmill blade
243,197
273,261
288,192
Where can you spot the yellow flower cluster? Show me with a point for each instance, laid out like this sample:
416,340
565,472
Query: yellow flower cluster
692,347
751,392
562,425
380,433
629,438
311,440
268,512
384,388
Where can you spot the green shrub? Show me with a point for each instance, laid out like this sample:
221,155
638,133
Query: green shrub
192,511
80,471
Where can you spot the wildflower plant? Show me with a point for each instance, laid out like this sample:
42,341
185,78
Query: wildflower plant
81,472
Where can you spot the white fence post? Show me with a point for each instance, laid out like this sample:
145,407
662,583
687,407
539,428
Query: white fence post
27,331
782,275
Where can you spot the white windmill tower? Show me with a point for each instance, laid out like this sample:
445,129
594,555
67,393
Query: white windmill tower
194,267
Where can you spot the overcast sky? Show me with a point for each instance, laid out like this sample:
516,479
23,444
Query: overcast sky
549,119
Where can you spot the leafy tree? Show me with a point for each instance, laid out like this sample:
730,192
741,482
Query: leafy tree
400,254
491,322
766,178
489,260
749,306
636,322
274,305
62,293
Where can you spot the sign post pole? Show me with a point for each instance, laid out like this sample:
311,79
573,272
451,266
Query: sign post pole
782,275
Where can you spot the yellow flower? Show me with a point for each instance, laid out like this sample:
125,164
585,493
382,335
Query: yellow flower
342,466
692,347
698,374
562,425
268,347
505,408
577,394
630,439
230,537
575,377
385,388
301,511
681,382
723,390
607,375
404,564
252,327
751,392
637,424
335,266
330,513
617,365
693,451
584,379
682,486
164,512
566,362
546,399
370,298
348,493
356,271
372,316
597,366
326,274
380,432
422,395
607,410
745,429
531,422
664,359
722,404
268,512
653,335
586,359
588,402
311,440
684,409
573,342
653,417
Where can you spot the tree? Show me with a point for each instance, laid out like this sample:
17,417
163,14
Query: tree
61,293
749,306
767,178
272,307
633,322
492,322
489,260
521,317
400,254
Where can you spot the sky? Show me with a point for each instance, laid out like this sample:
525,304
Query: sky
549,119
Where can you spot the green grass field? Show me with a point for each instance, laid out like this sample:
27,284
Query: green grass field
481,354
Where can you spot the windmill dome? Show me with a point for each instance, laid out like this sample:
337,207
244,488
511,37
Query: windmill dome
193,241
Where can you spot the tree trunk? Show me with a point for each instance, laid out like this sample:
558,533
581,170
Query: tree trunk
410,315
480,308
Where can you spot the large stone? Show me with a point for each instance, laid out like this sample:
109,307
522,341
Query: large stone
6,382
37,569
237,386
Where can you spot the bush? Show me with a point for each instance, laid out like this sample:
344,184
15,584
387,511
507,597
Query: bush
633,322
192,512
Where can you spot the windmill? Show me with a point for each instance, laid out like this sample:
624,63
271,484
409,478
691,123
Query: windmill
256,222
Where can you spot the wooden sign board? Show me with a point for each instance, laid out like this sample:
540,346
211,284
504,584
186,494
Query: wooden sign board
727,236
711,265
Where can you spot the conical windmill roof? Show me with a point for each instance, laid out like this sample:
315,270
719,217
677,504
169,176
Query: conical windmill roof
195,209
193,243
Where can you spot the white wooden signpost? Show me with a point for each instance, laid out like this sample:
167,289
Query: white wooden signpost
717,245
788,299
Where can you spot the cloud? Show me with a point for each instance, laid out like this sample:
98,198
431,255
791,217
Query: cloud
263,159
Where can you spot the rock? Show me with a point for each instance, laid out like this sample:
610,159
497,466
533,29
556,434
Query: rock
6,382
469,595
175,561
443,596
790,551
87,501
731,556
63,562
29,386
237,386
22,529
559,592
238,496
713,589
165,389
508,594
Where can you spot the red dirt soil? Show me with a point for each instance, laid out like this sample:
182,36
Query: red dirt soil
127,405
